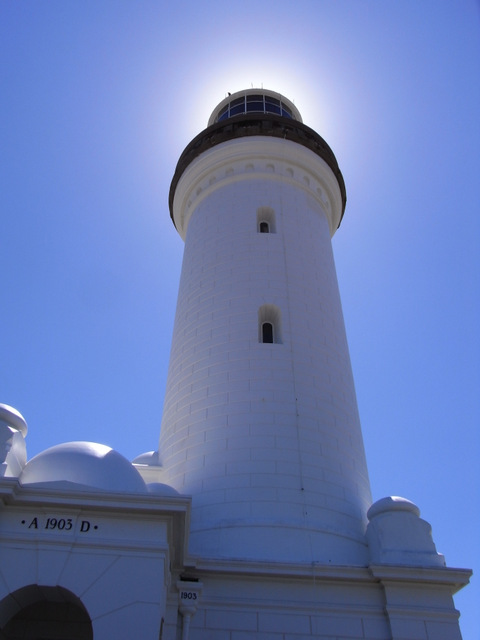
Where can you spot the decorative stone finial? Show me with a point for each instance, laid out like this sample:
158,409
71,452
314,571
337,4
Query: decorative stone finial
397,535
13,452
13,418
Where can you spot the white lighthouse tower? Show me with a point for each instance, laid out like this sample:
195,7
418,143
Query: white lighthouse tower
260,423
253,521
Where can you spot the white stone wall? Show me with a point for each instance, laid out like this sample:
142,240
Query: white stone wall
271,601
265,437
236,607
112,557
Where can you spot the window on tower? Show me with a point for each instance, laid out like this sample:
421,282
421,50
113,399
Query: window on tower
267,332
254,103
264,227
269,324
266,220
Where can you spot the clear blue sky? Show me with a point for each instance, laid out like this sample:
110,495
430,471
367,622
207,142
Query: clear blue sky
97,101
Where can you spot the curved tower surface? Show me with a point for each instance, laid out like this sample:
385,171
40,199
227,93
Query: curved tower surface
260,422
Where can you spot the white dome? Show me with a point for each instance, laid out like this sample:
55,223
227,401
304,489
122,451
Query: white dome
149,458
13,418
87,464
161,489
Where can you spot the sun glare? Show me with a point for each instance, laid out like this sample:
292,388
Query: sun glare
196,100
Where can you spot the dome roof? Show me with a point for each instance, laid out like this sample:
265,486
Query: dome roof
13,418
86,464
161,489
149,458
391,504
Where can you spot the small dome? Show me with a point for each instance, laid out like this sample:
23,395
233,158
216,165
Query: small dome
13,418
149,458
86,464
161,489
391,504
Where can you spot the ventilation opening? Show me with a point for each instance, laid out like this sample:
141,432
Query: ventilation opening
266,220
48,613
269,324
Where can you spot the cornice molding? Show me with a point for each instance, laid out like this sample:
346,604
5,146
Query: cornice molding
265,125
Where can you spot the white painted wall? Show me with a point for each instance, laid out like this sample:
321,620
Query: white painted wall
236,606
113,552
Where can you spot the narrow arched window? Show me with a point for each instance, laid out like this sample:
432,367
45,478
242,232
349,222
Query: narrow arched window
264,227
269,324
266,220
267,332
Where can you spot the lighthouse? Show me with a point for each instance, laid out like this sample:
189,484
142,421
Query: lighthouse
260,423
253,520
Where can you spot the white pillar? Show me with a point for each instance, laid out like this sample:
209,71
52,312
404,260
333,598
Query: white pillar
265,437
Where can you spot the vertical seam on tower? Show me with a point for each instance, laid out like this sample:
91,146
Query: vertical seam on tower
297,427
